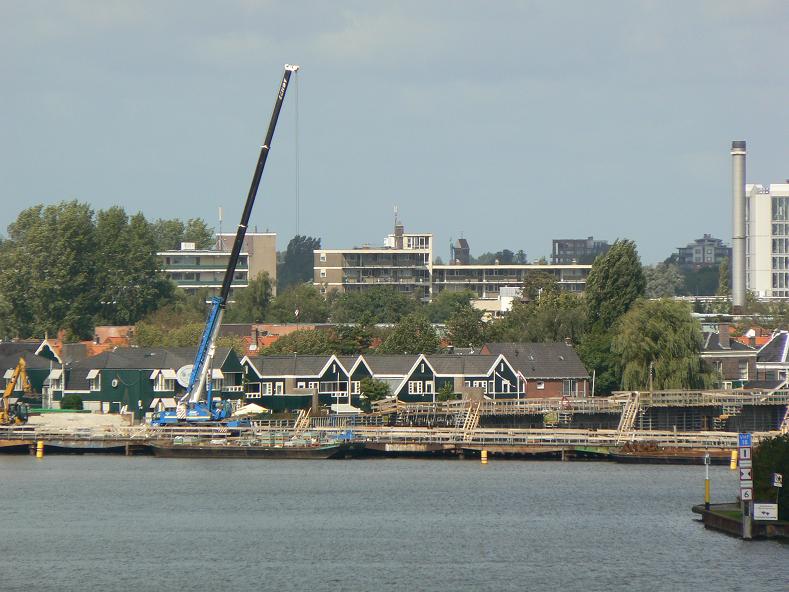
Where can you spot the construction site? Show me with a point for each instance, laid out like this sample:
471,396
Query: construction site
666,426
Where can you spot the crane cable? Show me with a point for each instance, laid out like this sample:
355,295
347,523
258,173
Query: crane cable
297,151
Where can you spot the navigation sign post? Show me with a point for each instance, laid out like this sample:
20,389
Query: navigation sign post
778,480
744,442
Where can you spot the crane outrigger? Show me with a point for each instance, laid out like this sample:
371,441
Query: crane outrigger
197,405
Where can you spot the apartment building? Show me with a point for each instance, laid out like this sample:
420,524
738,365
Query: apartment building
405,262
767,240
706,251
567,251
192,269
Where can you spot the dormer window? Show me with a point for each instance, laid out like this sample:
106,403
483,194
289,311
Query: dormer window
94,378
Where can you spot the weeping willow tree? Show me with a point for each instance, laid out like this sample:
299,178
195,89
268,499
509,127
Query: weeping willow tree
663,334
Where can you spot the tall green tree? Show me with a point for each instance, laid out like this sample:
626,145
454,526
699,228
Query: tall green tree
304,298
661,334
49,270
554,317
724,283
446,303
168,234
198,232
615,282
251,303
378,304
297,262
663,280
537,284
465,327
414,334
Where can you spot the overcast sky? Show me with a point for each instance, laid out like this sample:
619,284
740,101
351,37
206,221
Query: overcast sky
509,123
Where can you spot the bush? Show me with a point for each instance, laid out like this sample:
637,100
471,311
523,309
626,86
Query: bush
772,456
71,402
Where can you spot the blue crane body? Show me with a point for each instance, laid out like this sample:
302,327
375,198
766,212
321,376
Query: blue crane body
198,406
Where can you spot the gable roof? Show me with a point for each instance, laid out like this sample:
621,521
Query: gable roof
775,350
310,365
471,365
712,344
136,358
11,351
540,360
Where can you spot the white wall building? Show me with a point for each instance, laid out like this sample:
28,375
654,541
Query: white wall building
767,240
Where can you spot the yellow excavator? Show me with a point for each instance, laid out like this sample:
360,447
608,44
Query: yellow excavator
15,414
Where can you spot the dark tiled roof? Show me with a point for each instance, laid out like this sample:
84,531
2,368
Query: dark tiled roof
774,350
289,365
764,385
390,365
541,360
712,344
477,365
11,351
135,358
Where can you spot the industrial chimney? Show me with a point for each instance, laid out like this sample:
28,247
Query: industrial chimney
738,224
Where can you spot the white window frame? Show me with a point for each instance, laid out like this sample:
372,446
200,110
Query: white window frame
279,388
323,273
356,387
95,383
540,385
301,384
163,385
322,257
313,385
415,387
254,393
265,388
429,387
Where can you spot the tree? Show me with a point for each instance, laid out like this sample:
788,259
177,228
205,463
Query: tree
71,401
305,299
465,327
537,284
49,270
168,234
446,393
297,262
663,281
596,355
377,304
412,335
661,334
198,232
251,303
772,456
305,342
615,282
372,390
554,317
446,304
520,257
724,273
700,282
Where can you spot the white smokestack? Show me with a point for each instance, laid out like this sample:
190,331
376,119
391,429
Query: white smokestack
738,223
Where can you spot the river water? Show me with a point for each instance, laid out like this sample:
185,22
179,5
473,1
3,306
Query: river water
105,523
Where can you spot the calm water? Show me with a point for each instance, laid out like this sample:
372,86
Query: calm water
114,523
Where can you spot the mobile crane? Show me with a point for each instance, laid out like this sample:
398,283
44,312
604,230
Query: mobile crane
17,413
197,406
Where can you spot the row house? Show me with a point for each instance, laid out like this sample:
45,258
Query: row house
288,382
140,380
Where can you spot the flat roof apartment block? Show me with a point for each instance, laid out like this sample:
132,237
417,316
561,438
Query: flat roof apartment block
767,240
404,263
193,269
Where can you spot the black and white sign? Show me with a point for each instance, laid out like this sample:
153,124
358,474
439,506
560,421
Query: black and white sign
746,474
745,453
778,480
746,494
765,511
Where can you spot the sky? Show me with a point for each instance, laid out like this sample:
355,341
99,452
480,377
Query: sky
507,123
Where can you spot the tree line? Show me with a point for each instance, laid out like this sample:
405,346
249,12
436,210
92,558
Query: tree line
66,266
